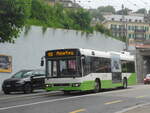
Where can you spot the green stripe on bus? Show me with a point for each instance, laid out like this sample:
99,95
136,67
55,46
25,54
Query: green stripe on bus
89,85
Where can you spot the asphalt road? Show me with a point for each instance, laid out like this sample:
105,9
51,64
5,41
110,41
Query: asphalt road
107,101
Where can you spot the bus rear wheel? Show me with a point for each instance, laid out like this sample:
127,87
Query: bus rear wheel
97,86
125,83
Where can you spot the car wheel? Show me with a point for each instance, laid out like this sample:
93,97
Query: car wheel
6,92
27,88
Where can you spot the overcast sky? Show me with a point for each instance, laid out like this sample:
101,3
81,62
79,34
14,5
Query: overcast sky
131,4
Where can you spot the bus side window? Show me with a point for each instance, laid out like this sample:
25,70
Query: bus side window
87,65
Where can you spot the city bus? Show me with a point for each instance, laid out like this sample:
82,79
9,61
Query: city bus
77,69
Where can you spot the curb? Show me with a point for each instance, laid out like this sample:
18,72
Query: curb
28,95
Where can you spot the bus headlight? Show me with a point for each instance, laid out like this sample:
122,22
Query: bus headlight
48,85
76,84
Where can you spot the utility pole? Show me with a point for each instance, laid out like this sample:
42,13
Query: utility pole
124,28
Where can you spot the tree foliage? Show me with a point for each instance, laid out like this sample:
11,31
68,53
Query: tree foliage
102,29
142,11
13,14
110,9
59,17
125,11
98,13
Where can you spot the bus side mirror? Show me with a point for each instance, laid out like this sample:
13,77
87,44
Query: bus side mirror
42,62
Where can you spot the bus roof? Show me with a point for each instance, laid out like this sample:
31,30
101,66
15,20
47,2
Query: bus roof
105,54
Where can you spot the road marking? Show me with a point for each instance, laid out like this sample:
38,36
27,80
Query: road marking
77,111
141,96
113,102
131,108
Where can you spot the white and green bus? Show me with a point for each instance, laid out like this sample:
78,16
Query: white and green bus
84,69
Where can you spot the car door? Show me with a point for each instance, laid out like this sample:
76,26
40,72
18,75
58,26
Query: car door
38,79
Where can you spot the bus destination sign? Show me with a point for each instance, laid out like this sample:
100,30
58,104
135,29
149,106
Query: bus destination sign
60,53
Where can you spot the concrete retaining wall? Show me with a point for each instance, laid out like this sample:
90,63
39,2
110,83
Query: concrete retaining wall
27,51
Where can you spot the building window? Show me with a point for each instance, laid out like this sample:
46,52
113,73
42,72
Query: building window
133,35
113,26
129,27
130,20
145,36
136,27
147,28
130,35
133,27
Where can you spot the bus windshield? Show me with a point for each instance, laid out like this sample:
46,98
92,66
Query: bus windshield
63,68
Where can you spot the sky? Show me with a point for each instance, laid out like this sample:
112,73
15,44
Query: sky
131,4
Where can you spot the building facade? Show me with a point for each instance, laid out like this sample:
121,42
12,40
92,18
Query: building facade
132,26
65,3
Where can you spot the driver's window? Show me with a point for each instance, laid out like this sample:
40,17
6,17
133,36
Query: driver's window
63,65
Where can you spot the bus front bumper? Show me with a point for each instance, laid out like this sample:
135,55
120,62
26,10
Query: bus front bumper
70,86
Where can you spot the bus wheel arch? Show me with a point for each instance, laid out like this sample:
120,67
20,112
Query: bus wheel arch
125,82
97,85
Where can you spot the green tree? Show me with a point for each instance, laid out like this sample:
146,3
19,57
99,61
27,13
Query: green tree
102,29
110,9
98,13
124,11
13,14
59,17
81,19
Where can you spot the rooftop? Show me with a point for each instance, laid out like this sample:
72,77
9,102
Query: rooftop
130,18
